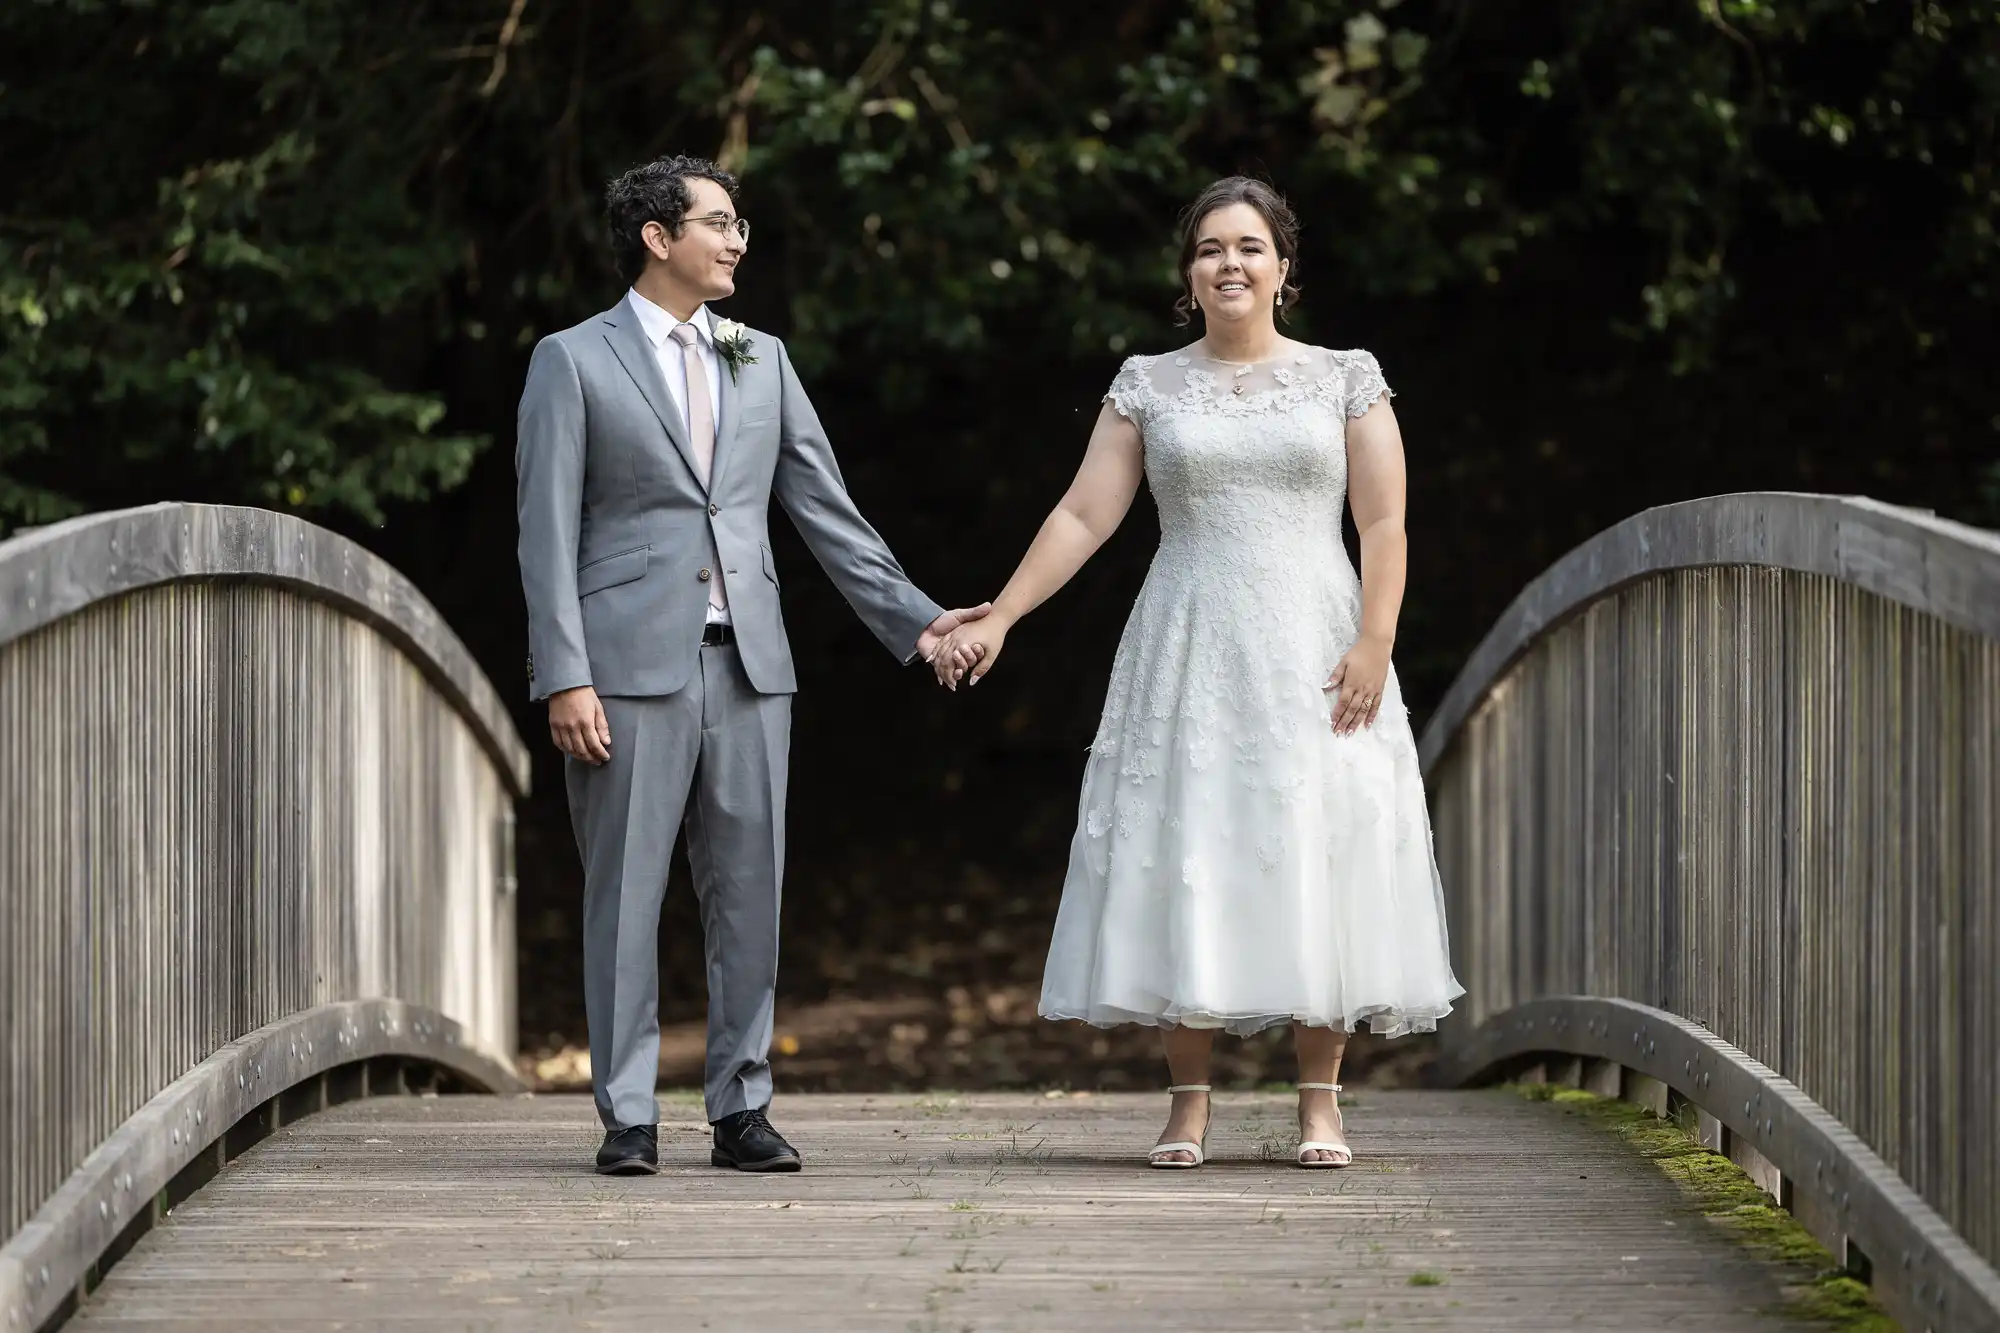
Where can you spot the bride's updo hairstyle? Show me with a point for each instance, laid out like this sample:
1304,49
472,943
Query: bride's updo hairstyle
1277,215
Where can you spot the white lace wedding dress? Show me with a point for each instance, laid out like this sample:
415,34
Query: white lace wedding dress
1236,864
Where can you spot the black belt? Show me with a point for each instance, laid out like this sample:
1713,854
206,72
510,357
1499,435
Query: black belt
717,635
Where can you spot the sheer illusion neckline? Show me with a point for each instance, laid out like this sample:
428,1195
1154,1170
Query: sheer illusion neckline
1297,354
1302,375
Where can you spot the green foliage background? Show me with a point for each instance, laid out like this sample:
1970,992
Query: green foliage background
1611,252
247,240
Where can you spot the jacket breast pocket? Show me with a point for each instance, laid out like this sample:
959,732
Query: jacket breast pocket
756,412
612,570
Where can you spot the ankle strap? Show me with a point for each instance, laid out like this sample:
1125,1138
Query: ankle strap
1189,1087
1320,1087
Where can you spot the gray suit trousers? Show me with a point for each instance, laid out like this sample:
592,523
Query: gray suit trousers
714,755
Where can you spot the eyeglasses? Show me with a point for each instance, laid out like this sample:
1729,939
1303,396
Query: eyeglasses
721,224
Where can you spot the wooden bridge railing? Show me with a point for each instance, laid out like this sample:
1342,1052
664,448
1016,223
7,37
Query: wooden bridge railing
1717,805
1717,808
256,850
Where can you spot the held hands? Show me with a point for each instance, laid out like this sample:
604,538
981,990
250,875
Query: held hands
577,725
971,647
1357,684
927,642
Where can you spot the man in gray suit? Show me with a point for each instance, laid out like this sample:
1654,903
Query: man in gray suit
652,439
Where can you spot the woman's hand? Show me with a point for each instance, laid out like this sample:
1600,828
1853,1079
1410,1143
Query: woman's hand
1358,682
972,647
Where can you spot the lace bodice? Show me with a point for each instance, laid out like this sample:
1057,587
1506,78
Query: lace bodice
1233,453
1248,467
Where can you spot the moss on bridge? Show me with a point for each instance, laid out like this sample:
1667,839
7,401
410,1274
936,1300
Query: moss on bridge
1817,1288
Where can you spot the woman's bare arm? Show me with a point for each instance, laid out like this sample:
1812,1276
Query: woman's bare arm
1376,486
1097,501
1089,512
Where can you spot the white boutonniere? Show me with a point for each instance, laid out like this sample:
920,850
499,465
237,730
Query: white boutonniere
732,343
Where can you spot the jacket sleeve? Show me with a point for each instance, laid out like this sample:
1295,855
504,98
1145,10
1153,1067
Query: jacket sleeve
548,466
808,484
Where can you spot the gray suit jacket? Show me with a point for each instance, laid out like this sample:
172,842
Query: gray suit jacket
617,532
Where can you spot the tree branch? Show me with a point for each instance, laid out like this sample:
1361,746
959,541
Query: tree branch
510,27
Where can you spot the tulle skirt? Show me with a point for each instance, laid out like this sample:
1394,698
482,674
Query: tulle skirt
1236,864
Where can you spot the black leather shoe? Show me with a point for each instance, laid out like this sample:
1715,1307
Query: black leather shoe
747,1142
634,1151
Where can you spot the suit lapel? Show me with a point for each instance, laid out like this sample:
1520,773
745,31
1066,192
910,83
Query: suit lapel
727,413
629,345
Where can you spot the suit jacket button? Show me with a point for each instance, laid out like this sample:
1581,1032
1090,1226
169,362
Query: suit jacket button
713,510
704,576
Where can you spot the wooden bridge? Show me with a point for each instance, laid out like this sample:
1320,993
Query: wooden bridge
1717,805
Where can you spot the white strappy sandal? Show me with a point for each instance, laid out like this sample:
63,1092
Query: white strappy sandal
1193,1149
1342,1155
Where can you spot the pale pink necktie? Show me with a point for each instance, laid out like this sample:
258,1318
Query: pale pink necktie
701,427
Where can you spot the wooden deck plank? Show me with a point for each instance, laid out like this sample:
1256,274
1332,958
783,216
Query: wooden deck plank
985,1212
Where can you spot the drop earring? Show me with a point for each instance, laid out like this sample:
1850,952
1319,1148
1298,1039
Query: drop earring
1281,300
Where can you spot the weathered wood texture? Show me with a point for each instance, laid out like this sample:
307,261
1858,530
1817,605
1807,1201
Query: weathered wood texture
50,572
226,801
992,1212
1924,1273
1946,570
1767,801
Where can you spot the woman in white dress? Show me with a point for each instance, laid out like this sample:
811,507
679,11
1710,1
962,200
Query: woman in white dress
1252,846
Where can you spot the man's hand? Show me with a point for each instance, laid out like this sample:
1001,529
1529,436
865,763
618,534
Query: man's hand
928,641
577,725
973,648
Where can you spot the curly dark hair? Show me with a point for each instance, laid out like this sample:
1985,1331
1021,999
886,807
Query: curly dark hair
655,191
1277,215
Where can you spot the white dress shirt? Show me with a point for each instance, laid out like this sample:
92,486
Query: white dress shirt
658,325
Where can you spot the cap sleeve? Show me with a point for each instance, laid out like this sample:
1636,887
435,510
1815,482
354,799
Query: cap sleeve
1131,389
1365,385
